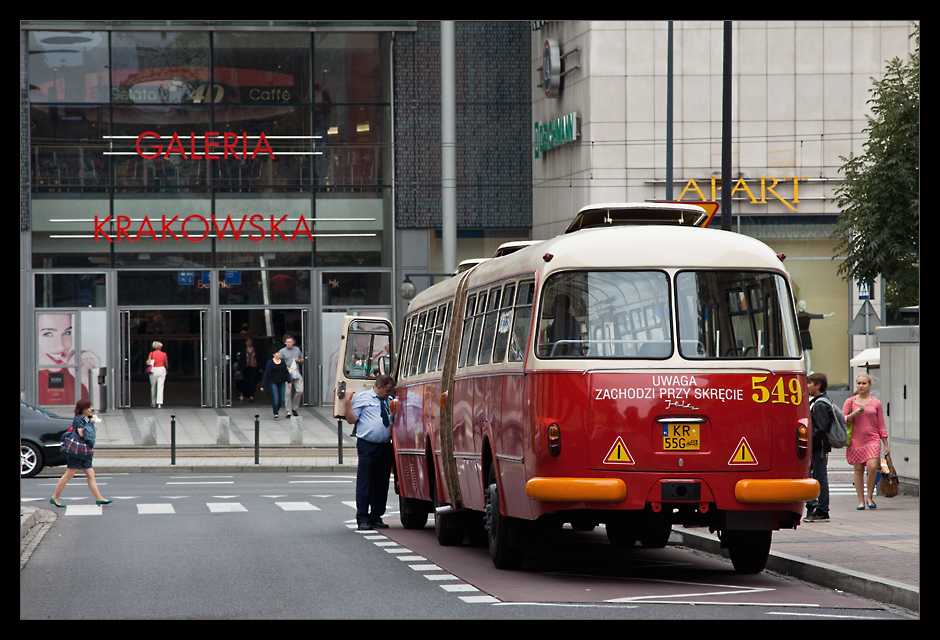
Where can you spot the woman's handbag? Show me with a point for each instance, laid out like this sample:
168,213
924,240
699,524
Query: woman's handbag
888,485
74,446
149,368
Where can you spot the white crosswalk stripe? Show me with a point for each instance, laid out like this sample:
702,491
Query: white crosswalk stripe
147,509
226,507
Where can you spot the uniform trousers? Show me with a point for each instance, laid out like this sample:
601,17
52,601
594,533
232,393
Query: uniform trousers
372,478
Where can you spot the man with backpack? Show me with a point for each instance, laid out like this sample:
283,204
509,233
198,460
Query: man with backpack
820,411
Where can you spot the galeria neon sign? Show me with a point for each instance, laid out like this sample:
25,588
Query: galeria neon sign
229,144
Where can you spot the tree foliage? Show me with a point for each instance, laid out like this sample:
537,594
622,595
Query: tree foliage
879,225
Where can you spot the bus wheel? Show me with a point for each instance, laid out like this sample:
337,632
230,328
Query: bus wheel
497,529
621,535
414,514
655,538
748,549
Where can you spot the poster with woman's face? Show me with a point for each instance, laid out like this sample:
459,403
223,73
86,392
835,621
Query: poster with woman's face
56,358
56,355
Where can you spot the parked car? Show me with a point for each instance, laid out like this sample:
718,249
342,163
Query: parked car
40,439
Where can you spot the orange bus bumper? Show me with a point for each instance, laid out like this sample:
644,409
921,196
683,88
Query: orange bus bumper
576,489
776,491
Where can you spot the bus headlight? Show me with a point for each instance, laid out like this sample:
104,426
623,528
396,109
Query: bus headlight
554,440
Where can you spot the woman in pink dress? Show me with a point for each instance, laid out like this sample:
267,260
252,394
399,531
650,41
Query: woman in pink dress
865,414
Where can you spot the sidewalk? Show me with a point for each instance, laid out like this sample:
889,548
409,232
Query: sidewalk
871,553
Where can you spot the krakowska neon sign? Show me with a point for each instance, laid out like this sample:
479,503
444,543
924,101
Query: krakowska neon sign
199,228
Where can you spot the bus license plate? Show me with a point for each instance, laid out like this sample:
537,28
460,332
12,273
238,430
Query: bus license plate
681,437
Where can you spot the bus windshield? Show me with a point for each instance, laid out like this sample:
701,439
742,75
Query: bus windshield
735,314
605,314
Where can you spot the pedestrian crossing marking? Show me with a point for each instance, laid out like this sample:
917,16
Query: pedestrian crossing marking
743,454
83,510
226,507
150,509
297,506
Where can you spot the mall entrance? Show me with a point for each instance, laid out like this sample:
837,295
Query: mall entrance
206,354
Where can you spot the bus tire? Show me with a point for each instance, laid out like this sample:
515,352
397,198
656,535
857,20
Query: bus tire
414,513
621,535
748,549
497,529
655,537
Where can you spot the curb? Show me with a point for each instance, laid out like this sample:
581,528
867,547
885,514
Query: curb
820,574
251,468
27,520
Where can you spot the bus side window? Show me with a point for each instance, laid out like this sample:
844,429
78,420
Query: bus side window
489,327
436,339
447,321
504,323
418,328
521,322
477,329
467,326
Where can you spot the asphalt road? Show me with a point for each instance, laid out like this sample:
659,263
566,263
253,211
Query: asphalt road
284,546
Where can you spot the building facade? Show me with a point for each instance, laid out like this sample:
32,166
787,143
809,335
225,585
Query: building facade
799,104
205,183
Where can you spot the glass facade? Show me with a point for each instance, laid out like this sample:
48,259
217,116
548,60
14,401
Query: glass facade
153,149
236,177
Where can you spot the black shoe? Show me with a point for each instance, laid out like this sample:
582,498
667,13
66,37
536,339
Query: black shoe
295,413
365,526
818,516
379,525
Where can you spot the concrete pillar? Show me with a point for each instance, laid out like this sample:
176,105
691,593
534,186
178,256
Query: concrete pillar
296,430
222,427
150,431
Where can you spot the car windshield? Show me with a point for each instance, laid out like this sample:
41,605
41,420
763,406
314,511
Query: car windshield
39,410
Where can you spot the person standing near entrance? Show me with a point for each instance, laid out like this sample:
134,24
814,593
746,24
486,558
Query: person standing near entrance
157,360
820,412
293,357
276,380
370,413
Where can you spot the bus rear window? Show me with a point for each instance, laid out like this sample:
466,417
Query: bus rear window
735,314
605,314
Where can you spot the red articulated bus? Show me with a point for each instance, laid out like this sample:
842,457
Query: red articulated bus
639,371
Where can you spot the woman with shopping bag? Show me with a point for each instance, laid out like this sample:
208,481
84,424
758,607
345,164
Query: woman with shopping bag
868,427
78,444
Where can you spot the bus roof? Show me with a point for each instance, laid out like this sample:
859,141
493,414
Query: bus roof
620,247
643,213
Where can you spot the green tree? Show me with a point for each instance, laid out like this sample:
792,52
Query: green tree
879,225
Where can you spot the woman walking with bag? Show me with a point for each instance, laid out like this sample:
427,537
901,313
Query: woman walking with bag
277,381
83,428
156,361
864,413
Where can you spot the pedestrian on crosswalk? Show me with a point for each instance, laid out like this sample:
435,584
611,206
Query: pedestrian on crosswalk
84,425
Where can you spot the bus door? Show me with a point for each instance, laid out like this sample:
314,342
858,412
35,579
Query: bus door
365,353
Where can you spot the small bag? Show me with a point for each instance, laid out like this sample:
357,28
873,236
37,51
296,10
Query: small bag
149,368
888,485
74,446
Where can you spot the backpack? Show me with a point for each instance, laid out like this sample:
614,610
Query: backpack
838,433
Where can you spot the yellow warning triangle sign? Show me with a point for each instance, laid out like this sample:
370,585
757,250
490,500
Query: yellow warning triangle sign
743,454
619,454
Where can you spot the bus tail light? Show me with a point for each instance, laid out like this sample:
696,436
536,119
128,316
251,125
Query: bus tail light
802,440
554,440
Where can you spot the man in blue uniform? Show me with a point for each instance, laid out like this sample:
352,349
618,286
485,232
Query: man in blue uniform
369,411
